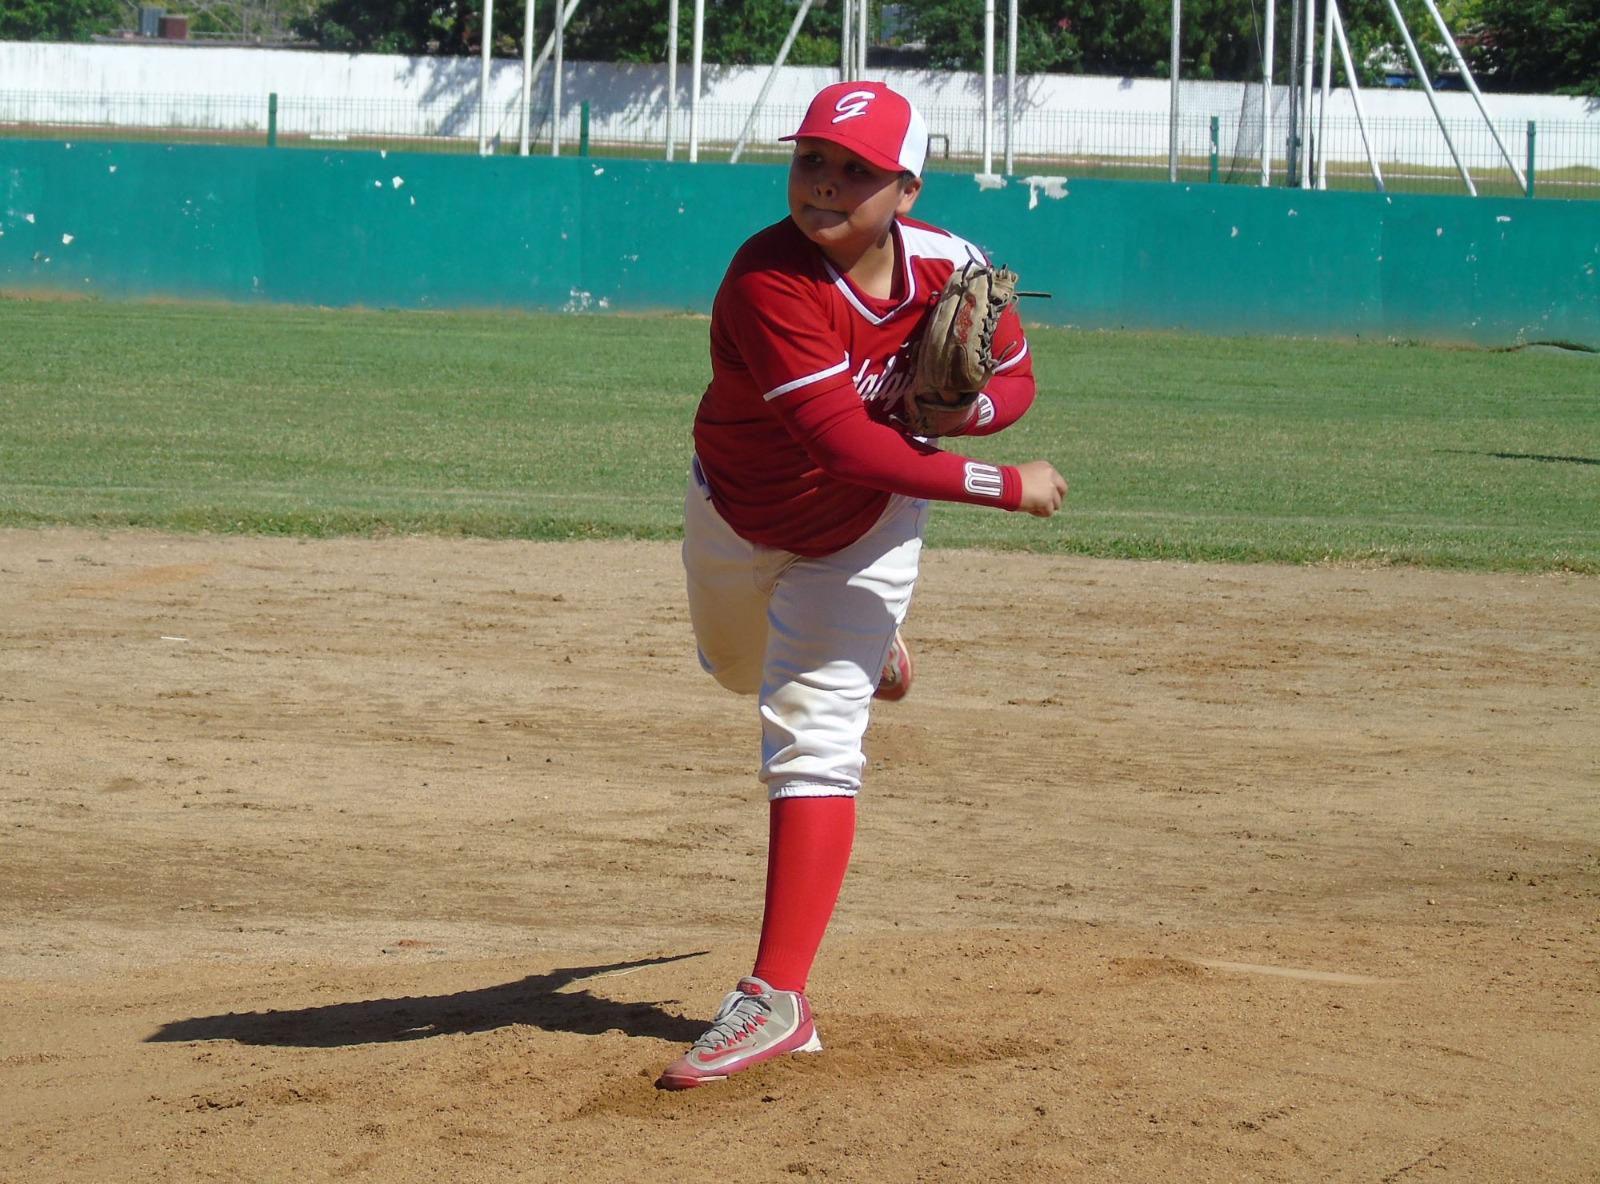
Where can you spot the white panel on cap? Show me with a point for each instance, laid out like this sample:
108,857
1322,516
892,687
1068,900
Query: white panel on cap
914,148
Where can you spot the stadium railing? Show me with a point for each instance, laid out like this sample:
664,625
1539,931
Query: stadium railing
1223,147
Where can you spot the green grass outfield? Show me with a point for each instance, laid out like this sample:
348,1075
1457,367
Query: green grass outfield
311,422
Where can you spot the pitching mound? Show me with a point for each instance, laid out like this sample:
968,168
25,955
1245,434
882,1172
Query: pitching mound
417,859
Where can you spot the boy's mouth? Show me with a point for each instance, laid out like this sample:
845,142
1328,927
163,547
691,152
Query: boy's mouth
823,214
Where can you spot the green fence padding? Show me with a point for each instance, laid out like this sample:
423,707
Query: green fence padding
583,234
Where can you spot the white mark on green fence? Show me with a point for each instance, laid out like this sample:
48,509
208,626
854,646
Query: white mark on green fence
1055,188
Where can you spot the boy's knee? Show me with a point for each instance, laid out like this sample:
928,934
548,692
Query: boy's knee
740,677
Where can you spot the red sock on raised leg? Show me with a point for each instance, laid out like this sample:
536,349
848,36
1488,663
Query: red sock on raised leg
808,851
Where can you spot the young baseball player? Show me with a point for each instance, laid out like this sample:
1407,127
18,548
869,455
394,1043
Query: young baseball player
804,516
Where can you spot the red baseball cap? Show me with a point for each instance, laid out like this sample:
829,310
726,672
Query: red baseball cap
874,122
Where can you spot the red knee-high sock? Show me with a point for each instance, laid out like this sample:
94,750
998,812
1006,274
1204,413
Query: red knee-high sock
808,850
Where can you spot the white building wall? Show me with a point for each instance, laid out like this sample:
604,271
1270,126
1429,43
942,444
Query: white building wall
121,84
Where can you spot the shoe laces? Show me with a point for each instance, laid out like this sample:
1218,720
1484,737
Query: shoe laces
739,1015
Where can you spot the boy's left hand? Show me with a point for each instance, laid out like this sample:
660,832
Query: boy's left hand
928,414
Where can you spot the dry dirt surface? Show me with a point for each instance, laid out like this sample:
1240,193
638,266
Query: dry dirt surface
416,859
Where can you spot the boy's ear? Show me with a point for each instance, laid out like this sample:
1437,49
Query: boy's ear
910,188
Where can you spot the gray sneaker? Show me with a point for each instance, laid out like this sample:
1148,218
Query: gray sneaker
755,1023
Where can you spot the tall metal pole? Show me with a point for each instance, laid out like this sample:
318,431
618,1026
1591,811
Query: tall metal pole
1427,87
846,55
1269,50
1355,93
1011,84
1307,90
672,76
555,88
550,39
861,37
527,76
1472,85
772,76
1172,87
988,87
483,78
1327,84
1292,139
696,59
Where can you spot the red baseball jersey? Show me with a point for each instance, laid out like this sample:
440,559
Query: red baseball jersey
800,436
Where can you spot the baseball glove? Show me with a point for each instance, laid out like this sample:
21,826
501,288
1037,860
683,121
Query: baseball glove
955,357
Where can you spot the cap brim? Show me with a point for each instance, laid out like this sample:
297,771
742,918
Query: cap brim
871,155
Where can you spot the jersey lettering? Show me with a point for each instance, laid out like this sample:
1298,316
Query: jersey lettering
984,480
886,386
852,105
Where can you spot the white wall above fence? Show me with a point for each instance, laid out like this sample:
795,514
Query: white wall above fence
155,85
135,68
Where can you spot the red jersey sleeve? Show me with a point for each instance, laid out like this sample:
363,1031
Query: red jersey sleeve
775,331
833,427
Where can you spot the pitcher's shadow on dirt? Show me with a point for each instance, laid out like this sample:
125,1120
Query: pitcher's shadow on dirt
540,1001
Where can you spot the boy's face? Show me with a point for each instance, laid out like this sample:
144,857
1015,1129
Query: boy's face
843,203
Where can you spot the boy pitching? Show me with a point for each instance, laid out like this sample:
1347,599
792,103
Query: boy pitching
804,516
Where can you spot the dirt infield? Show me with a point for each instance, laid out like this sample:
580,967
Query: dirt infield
416,859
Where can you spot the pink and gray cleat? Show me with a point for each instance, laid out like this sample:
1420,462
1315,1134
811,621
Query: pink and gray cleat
895,680
755,1023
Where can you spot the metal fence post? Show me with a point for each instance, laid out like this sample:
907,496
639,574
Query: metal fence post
583,130
1533,134
272,120
1215,125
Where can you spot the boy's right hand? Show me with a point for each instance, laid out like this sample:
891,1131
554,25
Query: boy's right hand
1043,489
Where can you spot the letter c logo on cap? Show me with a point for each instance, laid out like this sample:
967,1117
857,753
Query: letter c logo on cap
853,104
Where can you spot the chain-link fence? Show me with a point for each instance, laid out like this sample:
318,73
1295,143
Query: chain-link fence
1561,158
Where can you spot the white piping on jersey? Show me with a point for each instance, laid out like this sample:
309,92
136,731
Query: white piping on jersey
1013,359
938,244
918,243
808,378
867,314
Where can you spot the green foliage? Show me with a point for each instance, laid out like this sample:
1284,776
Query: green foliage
399,26
1518,46
57,20
737,31
279,420
1117,37
1511,46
